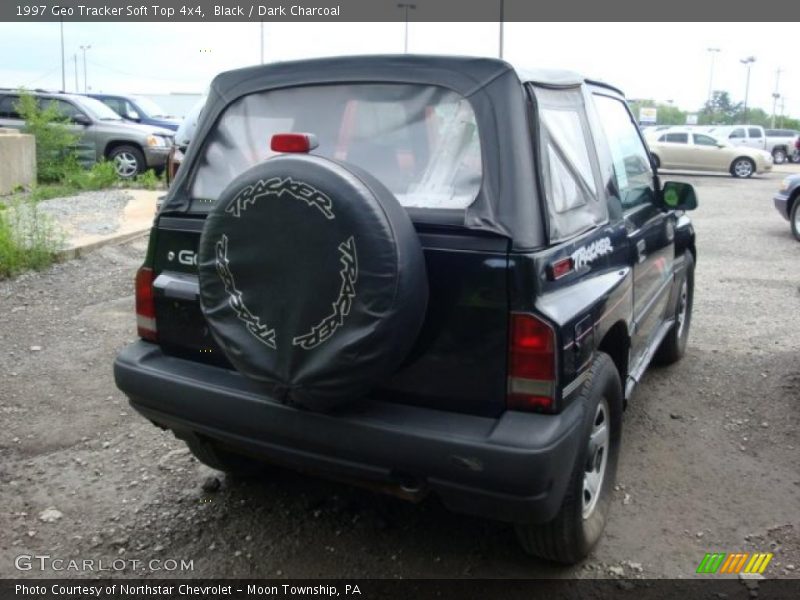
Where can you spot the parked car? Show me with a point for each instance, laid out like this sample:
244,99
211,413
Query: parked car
755,136
786,202
431,274
103,135
138,109
686,149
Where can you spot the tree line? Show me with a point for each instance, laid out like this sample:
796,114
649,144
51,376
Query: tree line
719,110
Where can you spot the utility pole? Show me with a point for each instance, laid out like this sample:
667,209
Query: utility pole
63,64
406,7
85,79
75,62
748,63
775,95
502,23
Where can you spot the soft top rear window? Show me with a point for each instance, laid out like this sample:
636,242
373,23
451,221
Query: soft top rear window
421,141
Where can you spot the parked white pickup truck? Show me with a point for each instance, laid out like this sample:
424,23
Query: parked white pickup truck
779,142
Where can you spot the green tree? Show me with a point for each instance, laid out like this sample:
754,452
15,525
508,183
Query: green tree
720,110
55,143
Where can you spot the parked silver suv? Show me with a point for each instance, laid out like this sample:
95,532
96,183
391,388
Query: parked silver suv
103,134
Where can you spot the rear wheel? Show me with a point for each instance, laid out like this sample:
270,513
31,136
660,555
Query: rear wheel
794,219
779,156
743,168
673,347
580,522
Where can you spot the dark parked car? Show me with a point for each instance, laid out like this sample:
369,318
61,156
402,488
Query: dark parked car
102,133
138,109
432,274
786,202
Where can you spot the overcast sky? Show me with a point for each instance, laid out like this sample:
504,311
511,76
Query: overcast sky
664,61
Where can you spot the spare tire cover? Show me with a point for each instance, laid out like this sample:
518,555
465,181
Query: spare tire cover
312,279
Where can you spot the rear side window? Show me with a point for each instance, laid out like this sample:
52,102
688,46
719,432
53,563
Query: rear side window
677,138
568,164
7,107
421,141
754,132
631,162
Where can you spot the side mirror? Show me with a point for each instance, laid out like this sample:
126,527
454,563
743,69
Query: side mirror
81,119
678,196
720,145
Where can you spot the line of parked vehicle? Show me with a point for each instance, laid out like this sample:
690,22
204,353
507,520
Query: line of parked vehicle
131,131
741,150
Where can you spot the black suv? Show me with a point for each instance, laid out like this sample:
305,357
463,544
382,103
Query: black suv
435,274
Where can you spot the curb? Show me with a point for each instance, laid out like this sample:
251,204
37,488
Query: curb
78,251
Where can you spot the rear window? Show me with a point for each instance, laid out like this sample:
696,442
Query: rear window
420,141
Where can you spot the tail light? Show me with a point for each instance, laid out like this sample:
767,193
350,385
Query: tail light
145,305
293,142
531,364
174,161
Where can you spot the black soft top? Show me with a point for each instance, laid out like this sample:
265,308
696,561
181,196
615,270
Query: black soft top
508,202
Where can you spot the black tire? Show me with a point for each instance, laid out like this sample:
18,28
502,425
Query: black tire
656,161
128,161
779,156
673,347
743,167
795,156
570,536
211,455
794,217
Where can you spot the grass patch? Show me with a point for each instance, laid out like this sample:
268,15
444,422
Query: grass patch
29,238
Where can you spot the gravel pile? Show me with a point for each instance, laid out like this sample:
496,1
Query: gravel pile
92,213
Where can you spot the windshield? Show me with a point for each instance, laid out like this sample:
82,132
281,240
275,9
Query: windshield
421,141
150,108
97,109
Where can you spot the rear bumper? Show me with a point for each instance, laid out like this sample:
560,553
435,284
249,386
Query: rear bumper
514,468
782,204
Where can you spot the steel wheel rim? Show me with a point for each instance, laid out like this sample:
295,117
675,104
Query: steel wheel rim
743,168
596,460
126,164
779,157
683,307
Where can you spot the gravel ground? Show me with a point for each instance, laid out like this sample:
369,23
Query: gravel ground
93,213
709,457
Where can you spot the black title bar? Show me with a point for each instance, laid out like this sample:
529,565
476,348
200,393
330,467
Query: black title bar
392,10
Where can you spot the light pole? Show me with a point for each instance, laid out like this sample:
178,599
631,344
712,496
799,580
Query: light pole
748,63
262,42
406,7
63,64
775,96
502,19
85,80
75,62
